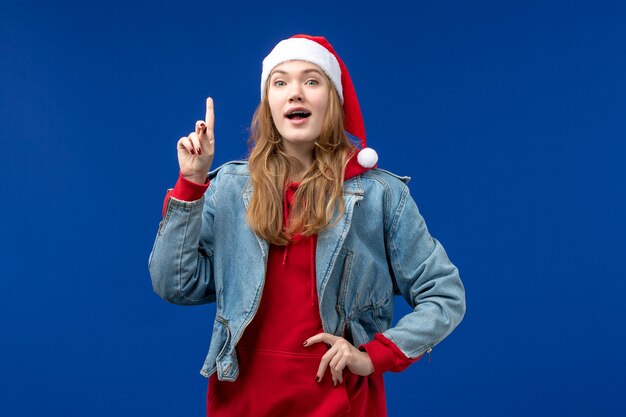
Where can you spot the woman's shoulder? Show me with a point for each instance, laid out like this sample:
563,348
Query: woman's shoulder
386,178
238,167
383,191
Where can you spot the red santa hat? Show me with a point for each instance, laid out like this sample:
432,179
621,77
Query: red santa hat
319,51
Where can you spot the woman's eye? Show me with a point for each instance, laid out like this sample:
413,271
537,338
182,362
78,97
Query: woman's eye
279,83
312,82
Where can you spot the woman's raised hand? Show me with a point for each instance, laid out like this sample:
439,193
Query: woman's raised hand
196,151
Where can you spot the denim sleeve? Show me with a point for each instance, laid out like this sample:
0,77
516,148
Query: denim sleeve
181,261
427,280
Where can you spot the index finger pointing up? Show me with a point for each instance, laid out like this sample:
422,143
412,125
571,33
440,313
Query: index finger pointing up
209,119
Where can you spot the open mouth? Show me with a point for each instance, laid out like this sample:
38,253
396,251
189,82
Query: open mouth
297,115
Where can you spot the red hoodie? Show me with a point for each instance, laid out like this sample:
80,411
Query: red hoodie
277,374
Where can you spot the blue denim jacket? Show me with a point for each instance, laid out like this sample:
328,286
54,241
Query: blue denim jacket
205,252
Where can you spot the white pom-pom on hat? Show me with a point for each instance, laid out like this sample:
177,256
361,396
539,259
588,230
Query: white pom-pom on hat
367,157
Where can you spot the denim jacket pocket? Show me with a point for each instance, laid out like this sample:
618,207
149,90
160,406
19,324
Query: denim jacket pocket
342,275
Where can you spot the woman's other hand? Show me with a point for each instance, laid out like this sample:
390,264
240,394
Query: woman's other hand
196,151
341,354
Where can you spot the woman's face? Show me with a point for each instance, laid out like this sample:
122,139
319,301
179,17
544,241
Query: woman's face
298,98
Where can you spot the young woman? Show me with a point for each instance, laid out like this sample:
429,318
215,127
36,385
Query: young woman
302,248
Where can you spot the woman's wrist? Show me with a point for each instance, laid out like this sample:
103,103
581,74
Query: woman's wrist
189,190
198,179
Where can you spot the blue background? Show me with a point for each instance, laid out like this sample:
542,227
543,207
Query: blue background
509,116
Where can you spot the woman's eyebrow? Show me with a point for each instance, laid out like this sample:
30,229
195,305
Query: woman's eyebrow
306,71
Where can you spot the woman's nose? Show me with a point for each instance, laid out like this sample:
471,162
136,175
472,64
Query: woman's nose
296,94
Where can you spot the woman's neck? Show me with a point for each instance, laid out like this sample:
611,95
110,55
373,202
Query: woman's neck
304,155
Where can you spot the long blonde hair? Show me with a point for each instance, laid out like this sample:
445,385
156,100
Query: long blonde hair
320,192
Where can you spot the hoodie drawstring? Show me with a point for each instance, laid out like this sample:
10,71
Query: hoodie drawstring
313,240
285,216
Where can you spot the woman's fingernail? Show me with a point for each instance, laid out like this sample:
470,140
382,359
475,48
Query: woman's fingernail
306,342
199,151
317,379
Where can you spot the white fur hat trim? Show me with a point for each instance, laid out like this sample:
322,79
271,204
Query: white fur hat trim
301,49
